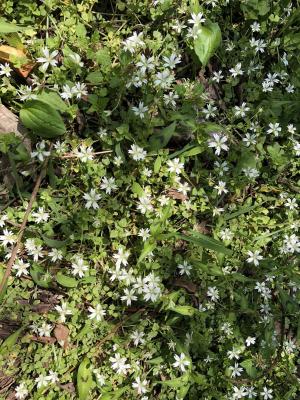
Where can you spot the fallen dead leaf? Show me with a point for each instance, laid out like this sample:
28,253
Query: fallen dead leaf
43,339
188,285
61,332
174,194
8,53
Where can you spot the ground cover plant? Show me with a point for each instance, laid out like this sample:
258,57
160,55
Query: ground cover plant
159,171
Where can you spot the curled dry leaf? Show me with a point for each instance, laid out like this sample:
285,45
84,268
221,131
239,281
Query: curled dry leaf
61,332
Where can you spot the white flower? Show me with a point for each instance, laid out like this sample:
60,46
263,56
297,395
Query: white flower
40,215
84,153
181,362
251,173
145,63
249,139
79,90
91,199
100,377
226,234
45,329
129,296
79,267
213,293
76,59
171,61
184,268
108,185
133,42
25,93
8,237
121,257
291,128
250,340
48,59
236,370
21,267
40,151
5,70
140,386
266,393
97,313
291,204
137,337
296,147
21,391
239,393
137,153
237,70
3,218
175,166
119,364
52,377
255,27
41,381
63,311
163,79
196,19
217,76
209,111
170,99
218,142
254,257
67,92
55,254
250,392
233,354
144,233
145,204
241,111
274,128
221,187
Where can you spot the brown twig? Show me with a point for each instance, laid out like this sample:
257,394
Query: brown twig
23,226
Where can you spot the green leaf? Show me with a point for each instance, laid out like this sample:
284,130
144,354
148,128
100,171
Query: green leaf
54,243
42,119
66,281
160,140
183,310
9,342
53,100
157,165
9,27
84,379
248,365
148,247
137,189
207,42
40,277
206,242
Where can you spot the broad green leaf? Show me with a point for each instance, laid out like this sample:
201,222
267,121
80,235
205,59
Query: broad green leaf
40,276
53,100
205,241
84,379
249,368
160,140
137,189
157,165
42,119
54,243
207,42
184,310
176,382
9,27
155,361
148,247
193,151
9,342
66,281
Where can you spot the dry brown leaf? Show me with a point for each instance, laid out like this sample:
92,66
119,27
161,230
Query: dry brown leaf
188,285
43,339
174,194
7,53
61,332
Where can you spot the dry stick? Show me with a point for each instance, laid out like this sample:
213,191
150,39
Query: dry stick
23,225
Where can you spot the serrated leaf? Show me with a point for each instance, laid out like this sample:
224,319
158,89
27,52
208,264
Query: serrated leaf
160,140
42,119
207,42
84,379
